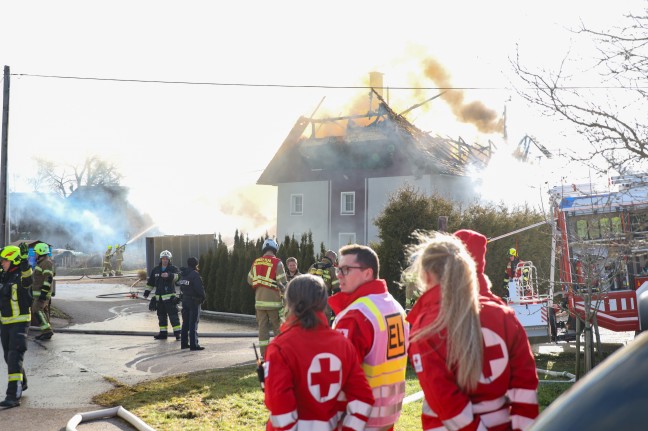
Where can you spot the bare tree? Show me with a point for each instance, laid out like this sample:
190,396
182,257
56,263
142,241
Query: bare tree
63,180
611,114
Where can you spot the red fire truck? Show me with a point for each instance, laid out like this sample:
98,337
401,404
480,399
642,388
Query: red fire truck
601,247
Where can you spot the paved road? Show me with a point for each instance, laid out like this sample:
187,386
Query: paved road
67,371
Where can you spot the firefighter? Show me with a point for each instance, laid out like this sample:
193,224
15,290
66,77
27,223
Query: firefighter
119,258
325,268
193,295
293,270
42,289
107,266
15,316
312,375
268,279
163,279
471,354
512,271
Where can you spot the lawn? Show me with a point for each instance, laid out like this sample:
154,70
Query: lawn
230,399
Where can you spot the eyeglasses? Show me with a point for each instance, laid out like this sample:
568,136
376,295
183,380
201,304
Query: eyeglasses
344,270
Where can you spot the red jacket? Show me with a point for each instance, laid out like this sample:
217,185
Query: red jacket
313,380
505,397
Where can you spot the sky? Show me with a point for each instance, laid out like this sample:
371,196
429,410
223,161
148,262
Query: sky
191,153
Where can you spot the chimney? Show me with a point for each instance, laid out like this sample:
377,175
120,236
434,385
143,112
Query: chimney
376,82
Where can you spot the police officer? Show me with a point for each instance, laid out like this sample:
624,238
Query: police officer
15,316
193,295
268,279
162,279
42,289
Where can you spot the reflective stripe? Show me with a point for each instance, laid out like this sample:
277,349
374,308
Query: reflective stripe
165,297
16,319
353,422
358,407
489,406
283,420
43,319
464,418
526,396
267,304
177,328
304,425
387,373
15,377
374,310
163,329
521,422
495,418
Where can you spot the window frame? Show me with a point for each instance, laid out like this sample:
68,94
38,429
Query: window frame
343,208
293,206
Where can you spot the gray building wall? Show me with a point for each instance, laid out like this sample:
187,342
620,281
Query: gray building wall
321,205
316,198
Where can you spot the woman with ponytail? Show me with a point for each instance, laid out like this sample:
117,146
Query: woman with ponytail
471,354
313,378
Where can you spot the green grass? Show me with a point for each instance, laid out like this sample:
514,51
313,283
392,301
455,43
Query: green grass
230,399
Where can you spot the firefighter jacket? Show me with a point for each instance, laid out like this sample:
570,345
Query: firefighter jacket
267,277
514,269
43,278
375,324
505,397
107,256
313,380
15,295
191,286
164,287
326,270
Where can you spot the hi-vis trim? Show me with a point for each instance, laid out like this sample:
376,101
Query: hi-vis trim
280,421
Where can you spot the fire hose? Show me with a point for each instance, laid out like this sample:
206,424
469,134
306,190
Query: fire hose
105,414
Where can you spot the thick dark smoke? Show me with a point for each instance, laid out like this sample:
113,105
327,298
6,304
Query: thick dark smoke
484,119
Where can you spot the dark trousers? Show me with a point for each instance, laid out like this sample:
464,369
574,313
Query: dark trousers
168,309
14,345
190,319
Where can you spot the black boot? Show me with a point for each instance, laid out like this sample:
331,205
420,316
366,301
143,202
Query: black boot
197,348
177,335
161,336
10,402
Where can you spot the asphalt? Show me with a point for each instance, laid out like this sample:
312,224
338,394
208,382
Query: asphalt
108,340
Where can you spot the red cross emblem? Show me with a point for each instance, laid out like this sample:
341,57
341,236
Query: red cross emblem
495,356
325,377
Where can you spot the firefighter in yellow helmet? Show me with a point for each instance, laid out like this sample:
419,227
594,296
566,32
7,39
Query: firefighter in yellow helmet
15,316
107,266
42,289
512,271
268,279
119,258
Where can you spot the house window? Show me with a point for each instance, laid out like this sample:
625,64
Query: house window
296,204
347,203
347,238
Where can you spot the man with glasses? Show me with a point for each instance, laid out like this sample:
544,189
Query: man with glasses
369,316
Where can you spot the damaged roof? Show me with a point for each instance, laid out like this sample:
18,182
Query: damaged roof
388,145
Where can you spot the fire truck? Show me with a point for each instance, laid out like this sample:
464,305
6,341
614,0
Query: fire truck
601,246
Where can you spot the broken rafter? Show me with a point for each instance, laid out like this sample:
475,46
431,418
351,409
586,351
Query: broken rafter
346,117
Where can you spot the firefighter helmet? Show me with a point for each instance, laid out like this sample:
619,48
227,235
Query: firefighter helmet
512,252
270,244
110,247
11,253
41,249
165,253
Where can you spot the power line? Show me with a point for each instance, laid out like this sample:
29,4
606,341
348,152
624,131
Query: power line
323,86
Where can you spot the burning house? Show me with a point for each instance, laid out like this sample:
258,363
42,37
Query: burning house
335,175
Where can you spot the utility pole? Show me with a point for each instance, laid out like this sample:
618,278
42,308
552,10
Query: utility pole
4,159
